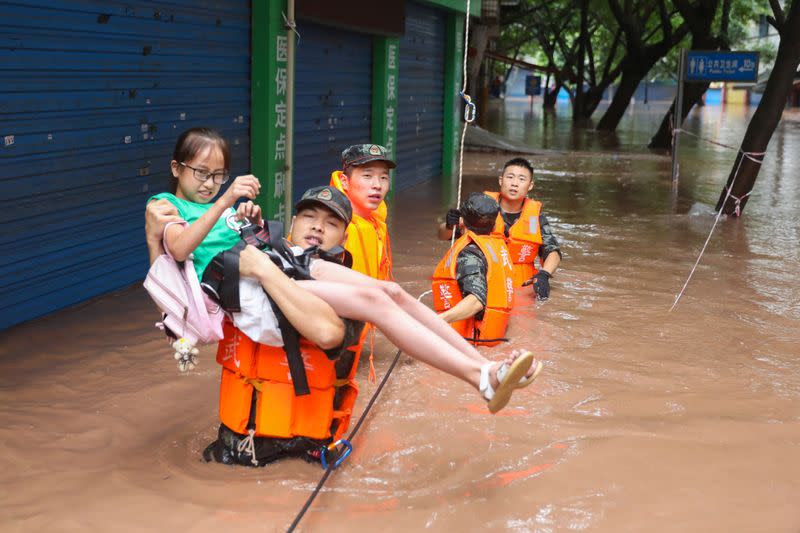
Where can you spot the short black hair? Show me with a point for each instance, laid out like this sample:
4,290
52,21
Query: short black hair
479,212
519,162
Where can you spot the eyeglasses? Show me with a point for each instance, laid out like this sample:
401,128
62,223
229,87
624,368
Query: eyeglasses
202,174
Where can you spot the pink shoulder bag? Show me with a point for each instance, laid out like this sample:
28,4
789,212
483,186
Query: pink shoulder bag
188,312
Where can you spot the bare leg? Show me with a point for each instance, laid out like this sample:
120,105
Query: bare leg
326,271
371,304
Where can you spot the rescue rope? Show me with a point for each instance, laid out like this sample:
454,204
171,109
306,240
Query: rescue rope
334,464
291,25
469,116
756,157
749,155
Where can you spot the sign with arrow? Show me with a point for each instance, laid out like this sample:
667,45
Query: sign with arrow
721,66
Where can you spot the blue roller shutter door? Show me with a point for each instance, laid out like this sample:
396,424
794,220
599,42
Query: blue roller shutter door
93,97
421,96
333,100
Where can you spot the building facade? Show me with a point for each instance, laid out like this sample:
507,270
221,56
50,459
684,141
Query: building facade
93,96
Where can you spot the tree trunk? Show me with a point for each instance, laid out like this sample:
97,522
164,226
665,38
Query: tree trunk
578,104
692,94
639,58
702,39
766,117
622,97
550,97
593,98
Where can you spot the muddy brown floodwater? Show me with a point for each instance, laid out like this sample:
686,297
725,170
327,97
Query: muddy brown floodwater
643,420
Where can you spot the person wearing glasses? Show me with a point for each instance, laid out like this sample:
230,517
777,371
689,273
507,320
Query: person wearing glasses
199,169
312,306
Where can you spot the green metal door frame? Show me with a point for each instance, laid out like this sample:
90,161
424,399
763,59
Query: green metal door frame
268,120
453,70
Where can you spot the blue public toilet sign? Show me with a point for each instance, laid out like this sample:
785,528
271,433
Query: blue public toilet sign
721,66
533,85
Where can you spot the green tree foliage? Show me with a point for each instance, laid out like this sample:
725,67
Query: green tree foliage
743,15
651,29
550,34
713,26
638,38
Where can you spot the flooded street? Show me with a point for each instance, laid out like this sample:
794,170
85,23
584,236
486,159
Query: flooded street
643,420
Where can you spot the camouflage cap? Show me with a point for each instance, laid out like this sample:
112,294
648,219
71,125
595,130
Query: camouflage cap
361,154
479,212
330,197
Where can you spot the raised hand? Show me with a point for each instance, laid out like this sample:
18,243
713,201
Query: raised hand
246,186
250,211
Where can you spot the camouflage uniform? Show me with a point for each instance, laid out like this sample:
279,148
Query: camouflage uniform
479,212
471,274
471,266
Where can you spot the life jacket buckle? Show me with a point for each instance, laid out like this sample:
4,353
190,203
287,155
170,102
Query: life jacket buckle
341,453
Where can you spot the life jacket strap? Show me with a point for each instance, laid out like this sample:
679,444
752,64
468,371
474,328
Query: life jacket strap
259,384
291,345
338,255
224,267
256,383
476,340
342,413
255,235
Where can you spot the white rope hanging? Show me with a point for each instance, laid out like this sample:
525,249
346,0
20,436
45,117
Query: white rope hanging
469,117
756,157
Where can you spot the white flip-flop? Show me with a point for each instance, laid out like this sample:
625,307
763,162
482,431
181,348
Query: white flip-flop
509,378
525,381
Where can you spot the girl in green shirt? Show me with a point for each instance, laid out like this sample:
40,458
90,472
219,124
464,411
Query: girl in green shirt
199,168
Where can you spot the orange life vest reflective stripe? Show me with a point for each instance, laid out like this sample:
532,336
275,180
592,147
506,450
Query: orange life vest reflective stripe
500,295
248,366
524,238
368,240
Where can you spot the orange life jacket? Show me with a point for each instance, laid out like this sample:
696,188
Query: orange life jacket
248,366
500,295
368,240
524,238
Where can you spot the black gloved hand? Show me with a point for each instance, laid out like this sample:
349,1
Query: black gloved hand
541,284
451,218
